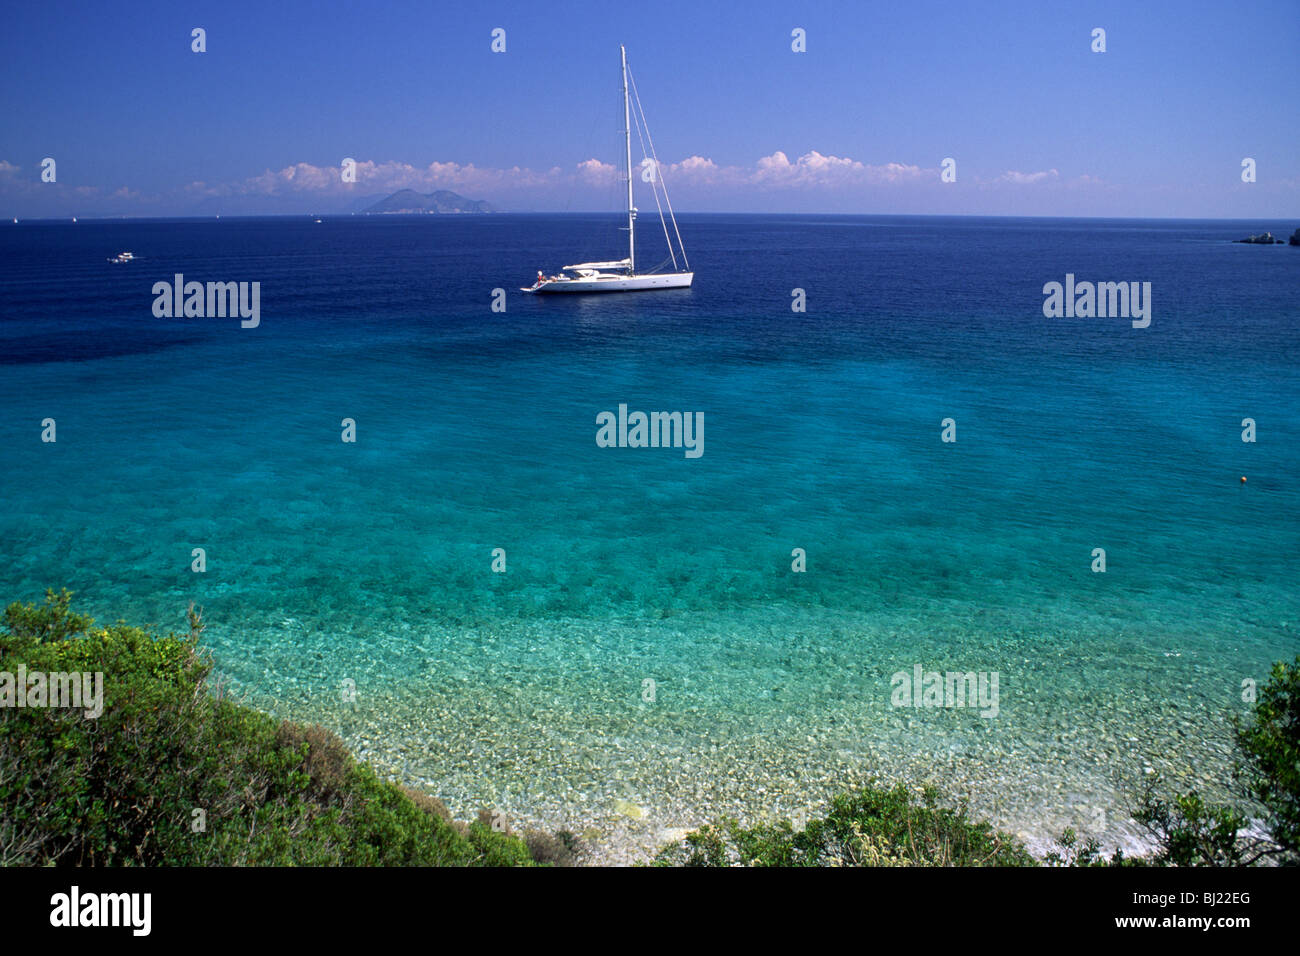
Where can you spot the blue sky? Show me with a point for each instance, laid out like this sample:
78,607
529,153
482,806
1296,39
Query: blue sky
1038,123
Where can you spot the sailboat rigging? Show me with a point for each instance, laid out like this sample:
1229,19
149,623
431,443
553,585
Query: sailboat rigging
622,275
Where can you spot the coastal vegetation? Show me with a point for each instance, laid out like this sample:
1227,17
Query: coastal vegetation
871,827
174,773
162,767
1261,827
896,827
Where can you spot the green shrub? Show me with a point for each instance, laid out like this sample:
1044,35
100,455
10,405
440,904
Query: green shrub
869,827
1191,832
553,849
1270,747
123,789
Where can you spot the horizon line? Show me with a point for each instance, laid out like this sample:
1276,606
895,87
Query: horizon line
70,219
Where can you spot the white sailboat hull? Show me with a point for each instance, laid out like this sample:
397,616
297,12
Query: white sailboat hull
614,283
621,275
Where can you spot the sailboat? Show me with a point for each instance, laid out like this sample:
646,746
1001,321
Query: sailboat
622,275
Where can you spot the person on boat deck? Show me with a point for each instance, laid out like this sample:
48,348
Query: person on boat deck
540,278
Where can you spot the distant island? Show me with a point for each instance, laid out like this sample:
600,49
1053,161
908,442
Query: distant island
1266,239
408,201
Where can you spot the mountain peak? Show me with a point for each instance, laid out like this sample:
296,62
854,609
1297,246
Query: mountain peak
408,202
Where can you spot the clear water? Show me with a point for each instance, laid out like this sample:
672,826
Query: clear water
371,562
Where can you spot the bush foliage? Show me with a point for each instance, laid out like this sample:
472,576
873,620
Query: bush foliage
123,789
870,827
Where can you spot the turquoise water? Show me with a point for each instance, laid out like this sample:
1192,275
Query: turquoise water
372,561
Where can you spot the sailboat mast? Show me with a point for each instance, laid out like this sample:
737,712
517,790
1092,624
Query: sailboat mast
627,136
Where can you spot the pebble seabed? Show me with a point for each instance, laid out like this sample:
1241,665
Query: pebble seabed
765,717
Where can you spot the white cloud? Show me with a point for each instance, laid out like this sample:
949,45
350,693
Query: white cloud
810,169
596,173
388,176
1027,179
699,170
305,183
896,173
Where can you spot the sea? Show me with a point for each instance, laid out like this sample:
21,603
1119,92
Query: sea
389,498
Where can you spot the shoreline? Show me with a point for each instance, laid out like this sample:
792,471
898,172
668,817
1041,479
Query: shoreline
577,749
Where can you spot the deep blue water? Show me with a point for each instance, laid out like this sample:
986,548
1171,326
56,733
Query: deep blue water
476,430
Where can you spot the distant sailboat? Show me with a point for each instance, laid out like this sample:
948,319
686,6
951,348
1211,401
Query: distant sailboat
622,275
